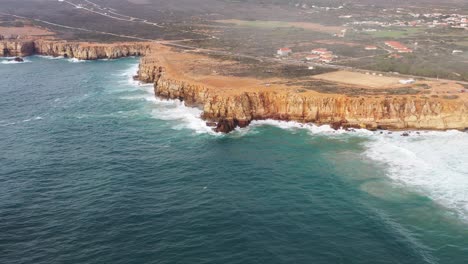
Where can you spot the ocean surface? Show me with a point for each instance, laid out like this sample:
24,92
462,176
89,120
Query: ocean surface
95,169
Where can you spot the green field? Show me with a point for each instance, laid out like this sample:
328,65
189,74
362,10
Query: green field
397,33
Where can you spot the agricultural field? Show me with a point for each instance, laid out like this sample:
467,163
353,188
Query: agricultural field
283,24
396,33
361,79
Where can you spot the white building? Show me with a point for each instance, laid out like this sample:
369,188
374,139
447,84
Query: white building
409,81
284,51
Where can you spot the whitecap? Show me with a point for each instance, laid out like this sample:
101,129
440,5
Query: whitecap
50,57
310,128
432,163
15,62
75,60
187,117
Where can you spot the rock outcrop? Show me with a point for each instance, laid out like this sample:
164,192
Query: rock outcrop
231,110
232,107
78,50
90,51
16,48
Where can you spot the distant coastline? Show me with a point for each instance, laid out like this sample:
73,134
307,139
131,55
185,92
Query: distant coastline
229,102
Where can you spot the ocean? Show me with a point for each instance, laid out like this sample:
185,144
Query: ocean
95,169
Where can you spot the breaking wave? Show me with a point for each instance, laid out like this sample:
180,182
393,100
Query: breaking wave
433,163
14,62
75,60
166,109
50,57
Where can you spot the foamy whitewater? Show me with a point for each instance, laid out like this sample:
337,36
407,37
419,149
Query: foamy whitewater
8,60
432,163
95,169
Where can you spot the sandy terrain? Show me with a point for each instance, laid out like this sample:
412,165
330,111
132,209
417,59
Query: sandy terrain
201,70
274,24
28,31
204,71
360,79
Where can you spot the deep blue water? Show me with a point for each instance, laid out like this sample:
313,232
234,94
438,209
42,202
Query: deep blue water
96,170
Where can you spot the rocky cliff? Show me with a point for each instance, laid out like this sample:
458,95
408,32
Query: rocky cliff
78,50
90,51
16,48
229,110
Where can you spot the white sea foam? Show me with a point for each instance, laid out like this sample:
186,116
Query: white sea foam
187,117
14,62
75,60
310,128
433,163
50,57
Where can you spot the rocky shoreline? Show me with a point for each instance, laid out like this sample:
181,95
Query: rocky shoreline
78,50
225,111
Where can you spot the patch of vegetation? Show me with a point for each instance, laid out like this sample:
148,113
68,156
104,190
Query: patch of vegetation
423,85
396,33
402,91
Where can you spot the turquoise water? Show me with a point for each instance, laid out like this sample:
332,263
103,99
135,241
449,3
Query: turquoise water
94,169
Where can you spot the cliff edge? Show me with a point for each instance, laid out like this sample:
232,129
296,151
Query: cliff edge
230,102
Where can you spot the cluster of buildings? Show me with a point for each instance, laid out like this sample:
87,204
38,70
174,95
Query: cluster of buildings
321,54
418,20
398,47
445,20
326,8
318,55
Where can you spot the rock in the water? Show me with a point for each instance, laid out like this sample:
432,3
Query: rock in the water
17,59
211,124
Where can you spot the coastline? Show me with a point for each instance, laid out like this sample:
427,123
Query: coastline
228,102
226,106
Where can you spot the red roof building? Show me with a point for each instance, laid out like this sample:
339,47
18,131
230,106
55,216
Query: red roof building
398,46
284,51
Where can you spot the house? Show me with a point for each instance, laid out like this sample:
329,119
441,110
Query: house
398,46
370,48
284,51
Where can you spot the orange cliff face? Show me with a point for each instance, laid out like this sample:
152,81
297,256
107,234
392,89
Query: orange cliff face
229,101
234,101
16,48
78,50
90,51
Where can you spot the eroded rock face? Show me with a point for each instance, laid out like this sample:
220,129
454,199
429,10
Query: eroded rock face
16,48
149,70
90,51
229,111
78,50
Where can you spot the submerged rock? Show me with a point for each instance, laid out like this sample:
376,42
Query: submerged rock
17,59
